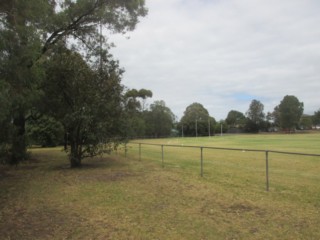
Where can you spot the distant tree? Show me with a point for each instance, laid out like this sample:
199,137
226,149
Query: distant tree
255,117
134,99
134,106
196,121
255,112
144,94
159,120
235,119
305,122
316,118
290,112
275,116
220,127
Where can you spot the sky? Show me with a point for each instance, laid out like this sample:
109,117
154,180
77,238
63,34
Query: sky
224,53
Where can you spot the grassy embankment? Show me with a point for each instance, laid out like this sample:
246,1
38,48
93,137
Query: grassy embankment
124,198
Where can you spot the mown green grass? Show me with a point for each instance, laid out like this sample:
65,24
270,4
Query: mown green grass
126,198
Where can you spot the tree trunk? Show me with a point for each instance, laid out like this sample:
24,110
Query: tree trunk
75,162
19,148
75,158
65,140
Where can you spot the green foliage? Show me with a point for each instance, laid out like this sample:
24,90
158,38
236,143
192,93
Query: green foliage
273,118
255,117
134,99
79,20
251,126
20,41
316,118
235,119
86,102
135,110
44,131
220,127
255,112
29,33
196,121
305,122
159,120
290,112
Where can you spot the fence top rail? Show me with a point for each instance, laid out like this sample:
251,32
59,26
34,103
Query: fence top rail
230,149
296,153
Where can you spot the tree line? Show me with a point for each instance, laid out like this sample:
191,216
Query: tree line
157,120
287,116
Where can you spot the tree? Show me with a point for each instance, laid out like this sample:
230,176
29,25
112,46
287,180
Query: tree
196,121
134,105
255,112
144,94
134,99
235,119
87,102
159,120
316,118
20,44
275,116
29,32
290,112
305,122
255,116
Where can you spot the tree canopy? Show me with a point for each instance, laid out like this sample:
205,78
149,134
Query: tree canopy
290,112
196,121
87,103
255,112
135,107
159,120
316,118
235,118
30,32
255,116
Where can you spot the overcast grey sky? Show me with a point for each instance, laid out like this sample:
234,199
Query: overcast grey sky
225,53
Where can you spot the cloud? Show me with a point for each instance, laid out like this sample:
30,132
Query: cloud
222,53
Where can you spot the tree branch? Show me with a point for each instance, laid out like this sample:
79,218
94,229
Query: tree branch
74,25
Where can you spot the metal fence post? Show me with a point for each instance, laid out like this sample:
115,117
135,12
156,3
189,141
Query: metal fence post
201,162
267,170
139,151
162,155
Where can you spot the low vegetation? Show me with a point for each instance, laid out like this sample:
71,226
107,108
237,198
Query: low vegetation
118,197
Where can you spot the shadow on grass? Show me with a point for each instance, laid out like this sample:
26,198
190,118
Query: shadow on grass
92,163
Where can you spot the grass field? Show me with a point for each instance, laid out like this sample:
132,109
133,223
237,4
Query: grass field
126,198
